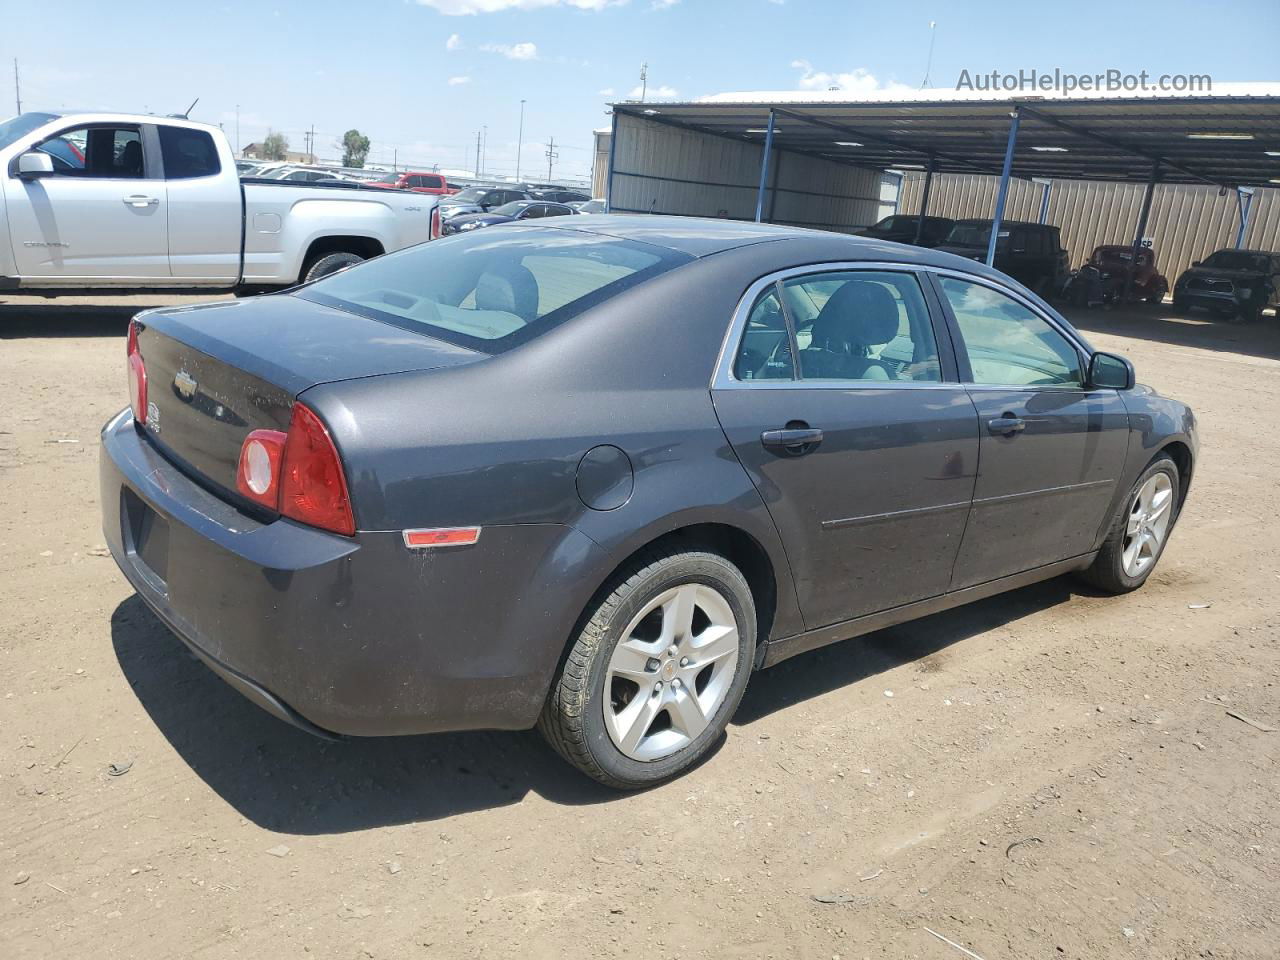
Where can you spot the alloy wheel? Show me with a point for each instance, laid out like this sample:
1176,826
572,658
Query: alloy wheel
1147,525
670,672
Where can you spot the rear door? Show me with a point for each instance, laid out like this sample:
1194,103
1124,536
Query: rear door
204,211
839,396
102,214
1052,449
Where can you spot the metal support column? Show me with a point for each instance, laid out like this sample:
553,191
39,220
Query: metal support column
613,146
764,169
924,197
1003,193
1244,202
1044,201
1142,229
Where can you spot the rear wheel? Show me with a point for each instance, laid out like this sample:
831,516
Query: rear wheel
657,671
1139,531
330,263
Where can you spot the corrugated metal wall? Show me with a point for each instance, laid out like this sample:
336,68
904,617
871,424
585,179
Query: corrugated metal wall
600,166
659,168
1186,222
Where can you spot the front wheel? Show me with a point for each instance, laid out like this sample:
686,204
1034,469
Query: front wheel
656,673
1139,531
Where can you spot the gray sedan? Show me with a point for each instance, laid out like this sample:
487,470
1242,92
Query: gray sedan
593,474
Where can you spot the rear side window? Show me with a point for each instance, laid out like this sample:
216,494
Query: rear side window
188,153
765,351
492,292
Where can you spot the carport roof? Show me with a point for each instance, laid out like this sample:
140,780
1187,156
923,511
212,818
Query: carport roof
1231,139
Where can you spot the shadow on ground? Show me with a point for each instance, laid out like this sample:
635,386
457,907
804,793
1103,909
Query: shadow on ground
287,781
1160,323
20,320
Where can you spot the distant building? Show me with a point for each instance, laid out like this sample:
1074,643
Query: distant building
254,152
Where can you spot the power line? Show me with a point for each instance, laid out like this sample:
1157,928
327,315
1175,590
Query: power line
17,89
551,155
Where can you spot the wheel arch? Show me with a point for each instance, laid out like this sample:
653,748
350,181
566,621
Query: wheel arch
361,246
1180,453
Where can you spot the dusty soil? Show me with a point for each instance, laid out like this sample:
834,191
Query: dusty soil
1046,780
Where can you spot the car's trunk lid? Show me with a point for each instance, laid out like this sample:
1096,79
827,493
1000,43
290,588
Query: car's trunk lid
216,372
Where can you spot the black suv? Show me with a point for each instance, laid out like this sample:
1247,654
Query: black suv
1234,283
901,228
1031,253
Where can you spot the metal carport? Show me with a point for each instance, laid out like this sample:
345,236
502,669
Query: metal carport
1229,140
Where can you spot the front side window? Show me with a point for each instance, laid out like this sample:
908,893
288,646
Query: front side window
1007,343
493,289
188,153
109,152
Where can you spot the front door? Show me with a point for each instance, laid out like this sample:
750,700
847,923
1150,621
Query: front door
1052,450
854,432
98,216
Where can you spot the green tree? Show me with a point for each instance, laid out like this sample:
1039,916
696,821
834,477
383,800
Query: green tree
275,146
355,148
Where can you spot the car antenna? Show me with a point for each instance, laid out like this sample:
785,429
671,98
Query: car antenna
186,114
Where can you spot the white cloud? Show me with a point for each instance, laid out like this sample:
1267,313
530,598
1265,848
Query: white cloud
465,8
663,4
453,43
606,92
513,51
859,80
458,81
663,91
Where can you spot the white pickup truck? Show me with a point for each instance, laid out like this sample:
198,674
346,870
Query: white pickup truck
110,202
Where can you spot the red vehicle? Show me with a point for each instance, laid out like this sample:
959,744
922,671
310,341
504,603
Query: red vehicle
418,182
1111,263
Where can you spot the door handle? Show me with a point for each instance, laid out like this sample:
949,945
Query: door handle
794,440
138,200
1007,425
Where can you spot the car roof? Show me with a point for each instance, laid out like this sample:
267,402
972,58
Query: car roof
1009,223
703,237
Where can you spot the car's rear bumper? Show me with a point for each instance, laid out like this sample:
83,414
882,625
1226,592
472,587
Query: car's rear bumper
353,636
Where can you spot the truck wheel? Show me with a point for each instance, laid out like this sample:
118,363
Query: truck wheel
330,263
658,669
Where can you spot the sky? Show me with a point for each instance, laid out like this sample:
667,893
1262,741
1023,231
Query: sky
422,77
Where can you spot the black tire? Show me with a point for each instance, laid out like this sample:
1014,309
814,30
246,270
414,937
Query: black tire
573,721
1107,570
330,263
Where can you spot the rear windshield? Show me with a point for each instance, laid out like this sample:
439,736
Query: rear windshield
1237,260
491,292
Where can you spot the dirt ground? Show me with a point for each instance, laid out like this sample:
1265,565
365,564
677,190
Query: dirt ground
1047,779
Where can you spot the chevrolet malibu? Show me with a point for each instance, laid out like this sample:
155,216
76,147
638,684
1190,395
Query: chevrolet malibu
593,475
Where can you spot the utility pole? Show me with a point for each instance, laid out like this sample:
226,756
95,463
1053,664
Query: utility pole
477,154
311,146
17,88
551,156
484,145
395,159
644,80
520,141
237,129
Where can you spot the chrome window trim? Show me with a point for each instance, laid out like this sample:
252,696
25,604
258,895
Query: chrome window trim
724,379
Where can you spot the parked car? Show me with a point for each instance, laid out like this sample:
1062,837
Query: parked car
590,474
1102,278
432,183
479,200
156,203
596,205
561,196
1031,253
901,228
507,213
1232,283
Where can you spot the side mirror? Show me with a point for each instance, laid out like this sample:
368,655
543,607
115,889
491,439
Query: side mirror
1109,371
33,164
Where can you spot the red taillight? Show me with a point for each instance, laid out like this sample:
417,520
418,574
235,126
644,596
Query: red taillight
313,487
137,377
258,473
435,222
299,473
